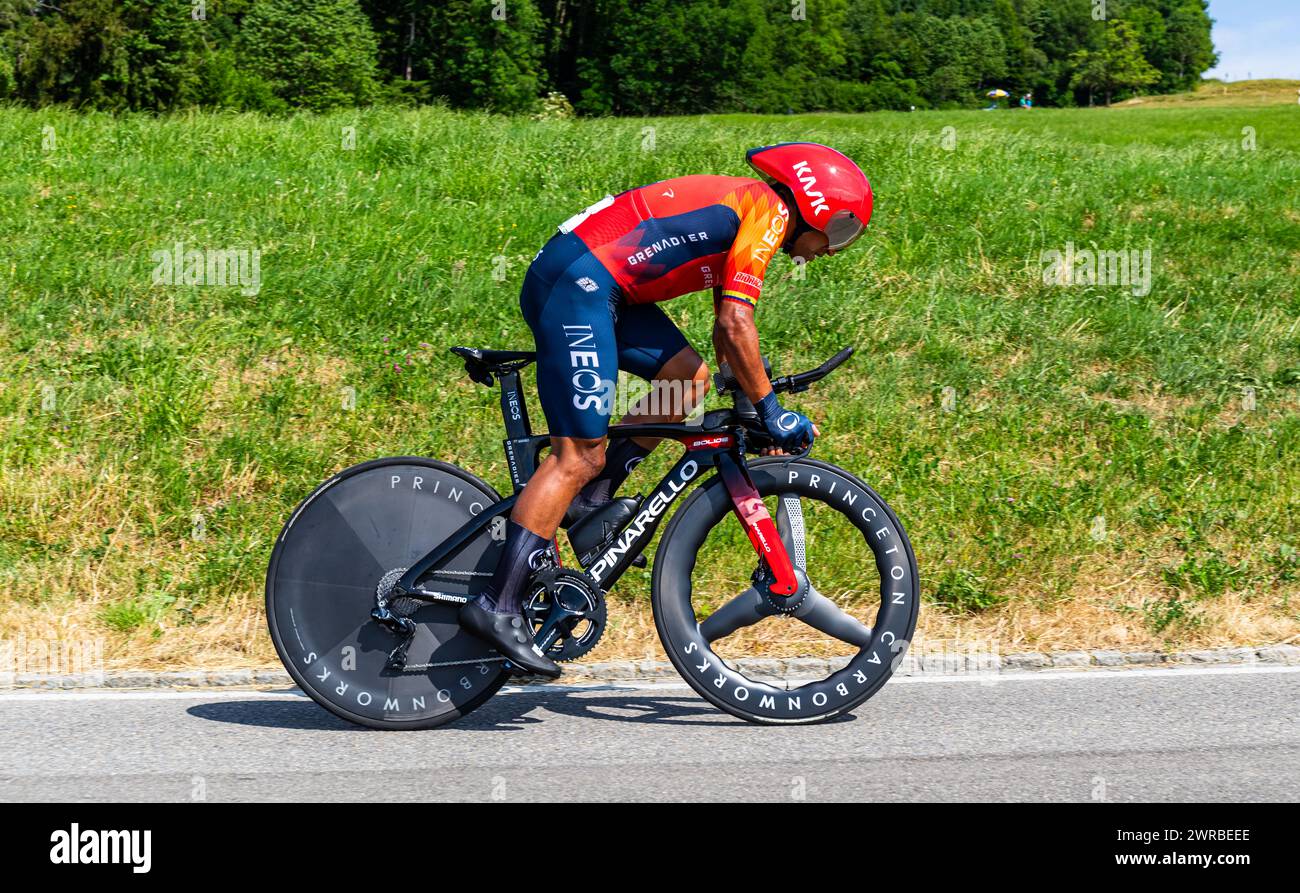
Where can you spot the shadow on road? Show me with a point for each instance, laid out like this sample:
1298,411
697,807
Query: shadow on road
504,713
303,714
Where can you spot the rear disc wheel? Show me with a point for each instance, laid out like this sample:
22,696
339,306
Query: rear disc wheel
355,533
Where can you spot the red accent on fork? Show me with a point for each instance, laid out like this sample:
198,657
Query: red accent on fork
759,526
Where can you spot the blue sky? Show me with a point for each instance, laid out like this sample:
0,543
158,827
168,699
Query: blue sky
1256,38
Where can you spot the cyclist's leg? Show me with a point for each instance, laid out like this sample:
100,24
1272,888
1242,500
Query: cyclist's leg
577,363
565,301
650,346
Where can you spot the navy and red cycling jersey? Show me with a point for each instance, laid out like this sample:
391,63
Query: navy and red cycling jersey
684,235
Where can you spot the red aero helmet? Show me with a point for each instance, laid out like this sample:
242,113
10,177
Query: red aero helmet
832,193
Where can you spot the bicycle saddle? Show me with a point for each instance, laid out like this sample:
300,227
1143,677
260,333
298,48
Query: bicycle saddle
480,363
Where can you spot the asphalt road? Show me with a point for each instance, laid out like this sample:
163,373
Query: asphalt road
1208,734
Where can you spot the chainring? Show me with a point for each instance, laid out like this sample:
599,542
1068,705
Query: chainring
573,604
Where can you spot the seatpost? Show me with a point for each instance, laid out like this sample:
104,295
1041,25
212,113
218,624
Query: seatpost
520,458
513,410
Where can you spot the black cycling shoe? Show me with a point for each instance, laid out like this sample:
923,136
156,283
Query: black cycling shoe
510,634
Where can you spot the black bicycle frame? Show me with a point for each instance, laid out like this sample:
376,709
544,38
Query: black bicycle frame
719,441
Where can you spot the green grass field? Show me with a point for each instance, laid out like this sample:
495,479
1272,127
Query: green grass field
155,436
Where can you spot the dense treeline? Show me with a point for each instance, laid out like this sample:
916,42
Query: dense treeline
605,56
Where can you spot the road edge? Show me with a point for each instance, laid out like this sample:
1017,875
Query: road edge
916,662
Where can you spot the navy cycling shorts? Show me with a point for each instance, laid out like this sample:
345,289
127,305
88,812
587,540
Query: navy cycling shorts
585,332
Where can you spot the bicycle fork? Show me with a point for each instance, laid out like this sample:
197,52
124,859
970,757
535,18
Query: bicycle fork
759,526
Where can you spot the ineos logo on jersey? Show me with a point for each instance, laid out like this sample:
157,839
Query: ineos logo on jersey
593,390
808,181
774,236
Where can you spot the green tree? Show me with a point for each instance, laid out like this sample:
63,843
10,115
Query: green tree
1117,65
794,58
868,37
472,53
608,56
319,54
1188,50
1024,61
111,54
688,56
963,56
1061,29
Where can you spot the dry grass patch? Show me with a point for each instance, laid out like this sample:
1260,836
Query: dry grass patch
1217,93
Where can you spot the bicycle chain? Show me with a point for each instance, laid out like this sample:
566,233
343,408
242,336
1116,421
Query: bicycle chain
452,663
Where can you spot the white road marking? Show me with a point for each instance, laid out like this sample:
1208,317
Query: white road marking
989,679
984,678
99,694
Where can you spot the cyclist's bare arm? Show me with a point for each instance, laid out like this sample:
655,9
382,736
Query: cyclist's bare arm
735,341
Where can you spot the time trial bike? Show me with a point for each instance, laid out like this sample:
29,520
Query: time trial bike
783,556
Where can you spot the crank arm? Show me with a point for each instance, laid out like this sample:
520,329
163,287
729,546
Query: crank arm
554,625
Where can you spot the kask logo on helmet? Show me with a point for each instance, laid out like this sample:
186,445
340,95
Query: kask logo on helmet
831,192
805,174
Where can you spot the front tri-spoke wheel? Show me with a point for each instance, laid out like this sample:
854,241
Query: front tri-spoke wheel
768,659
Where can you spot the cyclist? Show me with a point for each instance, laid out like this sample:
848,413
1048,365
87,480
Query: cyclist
590,298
